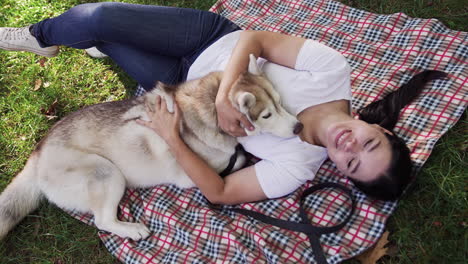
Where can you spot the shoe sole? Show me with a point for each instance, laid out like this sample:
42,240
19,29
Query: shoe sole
38,52
95,54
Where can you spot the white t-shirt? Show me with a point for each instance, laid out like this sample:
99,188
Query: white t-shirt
320,75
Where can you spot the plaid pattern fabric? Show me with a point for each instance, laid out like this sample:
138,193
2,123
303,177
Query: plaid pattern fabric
384,52
140,90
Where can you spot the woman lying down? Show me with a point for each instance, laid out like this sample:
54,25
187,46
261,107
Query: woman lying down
175,44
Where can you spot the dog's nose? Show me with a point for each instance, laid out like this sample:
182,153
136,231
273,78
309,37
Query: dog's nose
298,128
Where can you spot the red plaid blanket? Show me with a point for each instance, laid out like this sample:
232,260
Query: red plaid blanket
384,51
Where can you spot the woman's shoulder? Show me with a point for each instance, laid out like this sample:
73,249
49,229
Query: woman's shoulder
317,57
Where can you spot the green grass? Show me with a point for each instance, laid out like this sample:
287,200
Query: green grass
428,227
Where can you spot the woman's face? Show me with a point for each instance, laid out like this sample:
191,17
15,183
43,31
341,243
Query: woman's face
361,151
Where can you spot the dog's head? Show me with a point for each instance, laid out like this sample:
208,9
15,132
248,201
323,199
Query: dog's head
255,97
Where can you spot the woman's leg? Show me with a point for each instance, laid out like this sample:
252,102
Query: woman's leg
164,30
148,42
144,67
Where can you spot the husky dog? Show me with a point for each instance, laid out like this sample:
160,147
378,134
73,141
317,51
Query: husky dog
90,156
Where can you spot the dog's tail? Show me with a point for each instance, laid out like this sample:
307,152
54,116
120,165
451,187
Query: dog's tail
19,198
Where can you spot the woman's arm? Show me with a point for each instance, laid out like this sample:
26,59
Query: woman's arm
239,187
275,47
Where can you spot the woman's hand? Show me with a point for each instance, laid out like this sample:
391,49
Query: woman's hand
230,120
163,122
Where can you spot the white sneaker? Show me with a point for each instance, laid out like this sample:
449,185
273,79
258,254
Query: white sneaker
95,53
20,39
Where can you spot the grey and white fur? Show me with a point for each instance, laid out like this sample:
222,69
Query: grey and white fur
90,156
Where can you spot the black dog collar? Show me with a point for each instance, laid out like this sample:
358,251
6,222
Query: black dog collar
232,161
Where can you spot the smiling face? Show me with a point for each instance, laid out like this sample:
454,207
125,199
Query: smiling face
361,151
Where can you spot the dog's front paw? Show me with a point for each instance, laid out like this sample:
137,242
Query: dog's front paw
136,231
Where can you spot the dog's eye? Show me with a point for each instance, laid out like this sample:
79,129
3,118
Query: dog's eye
267,116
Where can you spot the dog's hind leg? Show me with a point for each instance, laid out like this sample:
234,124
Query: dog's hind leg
105,190
85,182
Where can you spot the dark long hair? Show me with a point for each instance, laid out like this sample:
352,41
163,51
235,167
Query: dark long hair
385,112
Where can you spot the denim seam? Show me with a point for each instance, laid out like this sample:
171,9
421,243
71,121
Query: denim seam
173,76
74,43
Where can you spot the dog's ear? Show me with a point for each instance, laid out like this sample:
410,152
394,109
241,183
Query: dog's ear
246,101
253,66
170,89
158,85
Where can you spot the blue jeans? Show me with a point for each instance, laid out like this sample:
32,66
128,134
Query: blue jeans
151,43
